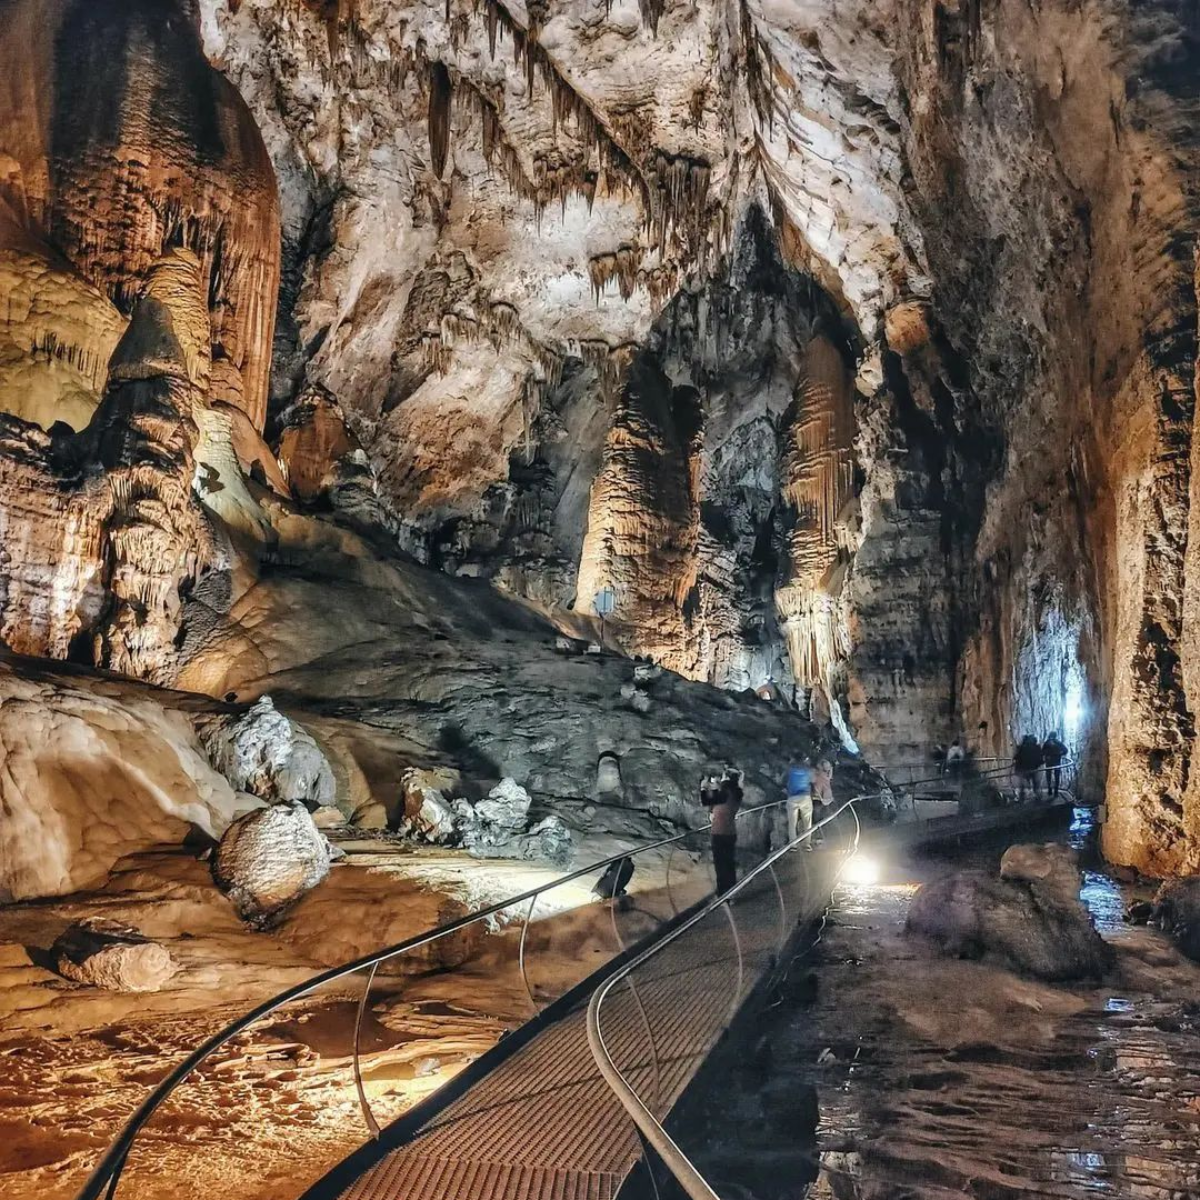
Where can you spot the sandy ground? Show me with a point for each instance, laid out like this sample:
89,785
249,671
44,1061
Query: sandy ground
271,1110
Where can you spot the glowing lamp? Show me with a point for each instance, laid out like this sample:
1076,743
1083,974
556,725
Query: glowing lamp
861,870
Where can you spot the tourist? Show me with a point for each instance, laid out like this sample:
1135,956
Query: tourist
955,757
1028,762
723,797
822,790
799,799
1053,753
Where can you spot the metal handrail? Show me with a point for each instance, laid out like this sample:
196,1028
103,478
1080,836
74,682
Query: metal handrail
968,772
107,1174
647,1124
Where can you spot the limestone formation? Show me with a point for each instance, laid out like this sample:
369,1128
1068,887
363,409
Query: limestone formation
121,141
107,954
268,860
1030,918
92,772
57,334
852,347
1177,910
261,751
100,527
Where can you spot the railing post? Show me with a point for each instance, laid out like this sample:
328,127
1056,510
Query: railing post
117,1171
783,925
363,1103
521,949
741,967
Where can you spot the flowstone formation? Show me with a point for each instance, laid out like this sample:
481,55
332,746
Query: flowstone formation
119,141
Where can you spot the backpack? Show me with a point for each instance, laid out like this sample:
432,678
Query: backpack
615,879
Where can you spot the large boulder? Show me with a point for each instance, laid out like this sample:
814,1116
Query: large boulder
1052,868
109,955
433,822
262,752
1177,909
91,771
267,860
506,807
1032,925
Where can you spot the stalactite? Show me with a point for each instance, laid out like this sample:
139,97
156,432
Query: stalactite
441,95
566,103
755,51
678,200
652,11
623,266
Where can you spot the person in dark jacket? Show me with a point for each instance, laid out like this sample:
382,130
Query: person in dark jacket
1027,762
723,797
1053,753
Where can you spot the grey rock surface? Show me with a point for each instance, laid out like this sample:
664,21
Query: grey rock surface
263,752
1026,924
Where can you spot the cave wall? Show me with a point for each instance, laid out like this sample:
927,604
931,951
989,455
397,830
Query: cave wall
120,141
853,344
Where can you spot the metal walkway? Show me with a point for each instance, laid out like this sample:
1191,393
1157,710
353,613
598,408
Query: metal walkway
544,1123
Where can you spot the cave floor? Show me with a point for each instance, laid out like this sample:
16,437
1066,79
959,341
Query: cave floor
276,1107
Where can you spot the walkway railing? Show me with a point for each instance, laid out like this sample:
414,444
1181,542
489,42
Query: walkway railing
973,779
724,949
107,1175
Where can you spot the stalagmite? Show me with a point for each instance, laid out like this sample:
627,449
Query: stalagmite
643,520
144,436
816,482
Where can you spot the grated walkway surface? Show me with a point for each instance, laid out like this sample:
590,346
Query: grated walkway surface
543,1125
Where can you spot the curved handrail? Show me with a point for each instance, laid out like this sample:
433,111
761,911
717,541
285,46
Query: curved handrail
107,1173
648,1125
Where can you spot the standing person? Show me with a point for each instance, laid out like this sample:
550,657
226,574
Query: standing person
1028,762
822,789
799,798
955,757
723,797
1053,753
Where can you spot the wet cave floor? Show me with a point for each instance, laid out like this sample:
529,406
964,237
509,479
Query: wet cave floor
880,1071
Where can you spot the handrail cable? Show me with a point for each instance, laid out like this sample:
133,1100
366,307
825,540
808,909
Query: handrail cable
108,1171
648,1125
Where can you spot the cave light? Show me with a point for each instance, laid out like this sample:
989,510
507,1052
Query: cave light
861,870
1074,709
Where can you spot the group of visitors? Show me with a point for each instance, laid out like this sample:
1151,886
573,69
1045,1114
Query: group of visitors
1032,758
722,794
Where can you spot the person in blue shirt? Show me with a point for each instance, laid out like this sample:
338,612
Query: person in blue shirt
799,786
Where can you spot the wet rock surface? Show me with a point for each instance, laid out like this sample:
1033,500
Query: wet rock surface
1030,918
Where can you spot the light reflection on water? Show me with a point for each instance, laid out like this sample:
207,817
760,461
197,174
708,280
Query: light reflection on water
1103,1103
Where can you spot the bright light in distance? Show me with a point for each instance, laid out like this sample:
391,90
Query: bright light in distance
861,870
1073,709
